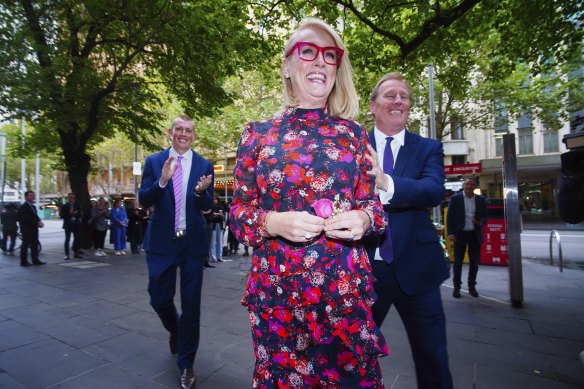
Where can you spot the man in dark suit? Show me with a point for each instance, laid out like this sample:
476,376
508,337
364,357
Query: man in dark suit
9,219
71,214
407,260
29,228
178,184
466,215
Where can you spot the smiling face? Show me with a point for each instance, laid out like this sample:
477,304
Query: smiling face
182,134
312,81
391,107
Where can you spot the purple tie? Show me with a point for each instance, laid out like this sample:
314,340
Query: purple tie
177,182
386,247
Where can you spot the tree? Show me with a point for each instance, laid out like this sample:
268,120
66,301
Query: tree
484,51
82,70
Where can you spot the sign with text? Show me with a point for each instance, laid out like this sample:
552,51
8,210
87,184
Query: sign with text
494,250
467,168
137,168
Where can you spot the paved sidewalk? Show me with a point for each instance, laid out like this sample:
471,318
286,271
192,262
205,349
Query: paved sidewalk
87,324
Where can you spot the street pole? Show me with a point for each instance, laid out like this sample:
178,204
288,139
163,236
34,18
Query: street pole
37,172
435,210
2,164
225,174
22,164
512,220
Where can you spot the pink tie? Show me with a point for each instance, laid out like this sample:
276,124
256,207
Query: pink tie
177,182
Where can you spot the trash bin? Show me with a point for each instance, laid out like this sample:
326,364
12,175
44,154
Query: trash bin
494,247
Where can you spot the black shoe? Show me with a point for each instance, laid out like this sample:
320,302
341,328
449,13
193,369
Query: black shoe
173,343
77,256
456,293
473,291
66,258
187,379
208,265
38,262
25,263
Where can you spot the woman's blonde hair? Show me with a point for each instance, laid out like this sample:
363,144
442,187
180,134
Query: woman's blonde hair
343,100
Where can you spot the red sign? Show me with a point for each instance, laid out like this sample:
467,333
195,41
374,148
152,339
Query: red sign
467,168
494,248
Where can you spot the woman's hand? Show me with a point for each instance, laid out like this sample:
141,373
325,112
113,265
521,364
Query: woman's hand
351,225
295,226
376,171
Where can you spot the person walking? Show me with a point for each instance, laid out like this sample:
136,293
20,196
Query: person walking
30,223
303,200
178,184
71,214
99,223
466,215
119,224
408,262
9,220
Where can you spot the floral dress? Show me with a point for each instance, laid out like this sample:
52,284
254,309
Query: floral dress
309,303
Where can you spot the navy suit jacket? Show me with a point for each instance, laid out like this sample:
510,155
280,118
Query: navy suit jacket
418,176
160,230
455,215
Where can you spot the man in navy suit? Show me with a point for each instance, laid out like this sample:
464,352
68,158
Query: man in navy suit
178,184
71,214
407,260
467,213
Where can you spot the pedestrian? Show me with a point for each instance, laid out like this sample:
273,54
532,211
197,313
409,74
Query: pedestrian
303,200
408,262
218,217
119,221
178,184
71,214
99,223
134,232
466,215
30,223
9,219
208,214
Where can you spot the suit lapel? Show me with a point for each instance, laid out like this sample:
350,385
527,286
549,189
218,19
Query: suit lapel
405,154
194,173
162,159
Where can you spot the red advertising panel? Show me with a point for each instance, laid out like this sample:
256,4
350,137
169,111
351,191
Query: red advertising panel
463,169
494,247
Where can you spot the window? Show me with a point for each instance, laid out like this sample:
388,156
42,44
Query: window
525,140
551,143
501,118
498,146
458,159
456,128
525,132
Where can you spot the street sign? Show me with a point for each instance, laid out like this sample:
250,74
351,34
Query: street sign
137,168
463,169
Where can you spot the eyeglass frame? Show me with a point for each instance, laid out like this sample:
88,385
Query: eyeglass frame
319,49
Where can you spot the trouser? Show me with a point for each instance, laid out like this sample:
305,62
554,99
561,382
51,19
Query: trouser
425,323
466,239
72,231
8,234
29,239
162,289
99,239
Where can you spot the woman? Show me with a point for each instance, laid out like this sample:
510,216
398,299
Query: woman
119,224
309,292
98,221
216,246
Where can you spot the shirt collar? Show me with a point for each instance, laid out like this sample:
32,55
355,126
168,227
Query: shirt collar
400,137
175,154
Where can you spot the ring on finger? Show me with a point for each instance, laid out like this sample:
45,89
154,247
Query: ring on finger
351,235
307,236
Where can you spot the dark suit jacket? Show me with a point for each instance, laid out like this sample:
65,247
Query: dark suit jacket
28,219
65,214
419,185
455,215
159,233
